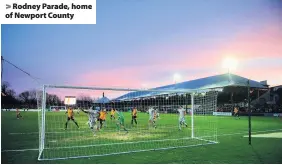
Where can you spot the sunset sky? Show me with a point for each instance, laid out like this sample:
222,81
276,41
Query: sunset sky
143,43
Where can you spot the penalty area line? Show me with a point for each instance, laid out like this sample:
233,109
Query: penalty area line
230,134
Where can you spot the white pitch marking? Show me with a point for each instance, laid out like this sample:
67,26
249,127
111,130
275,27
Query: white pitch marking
268,135
22,150
36,149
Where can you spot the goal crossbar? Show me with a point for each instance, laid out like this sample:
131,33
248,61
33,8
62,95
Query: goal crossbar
202,90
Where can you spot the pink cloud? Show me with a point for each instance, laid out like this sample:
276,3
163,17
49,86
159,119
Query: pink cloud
257,47
257,44
124,77
262,43
94,94
272,74
247,46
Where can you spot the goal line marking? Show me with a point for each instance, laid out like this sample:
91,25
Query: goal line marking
239,133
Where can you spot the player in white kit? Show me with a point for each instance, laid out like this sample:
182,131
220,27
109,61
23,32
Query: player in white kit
92,118
181,119
152,117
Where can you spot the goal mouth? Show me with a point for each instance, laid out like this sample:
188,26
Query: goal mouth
110,121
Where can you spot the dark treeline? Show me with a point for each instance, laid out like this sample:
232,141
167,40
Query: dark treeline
26,99
8,96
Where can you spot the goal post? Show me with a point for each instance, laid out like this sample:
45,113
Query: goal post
41,104
129,120
192,115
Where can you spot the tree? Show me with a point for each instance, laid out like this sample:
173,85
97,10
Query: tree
28,98
24,97
32,96
5,88
8,99
84,101
52,100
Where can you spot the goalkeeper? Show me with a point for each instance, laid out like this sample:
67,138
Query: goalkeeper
152,116
181,119
120,121
92,118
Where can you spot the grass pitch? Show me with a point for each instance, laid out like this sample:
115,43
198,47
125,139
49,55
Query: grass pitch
20,140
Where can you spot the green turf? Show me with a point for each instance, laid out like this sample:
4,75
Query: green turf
233,147
73,142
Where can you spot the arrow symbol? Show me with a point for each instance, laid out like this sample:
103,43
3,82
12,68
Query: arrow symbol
8,6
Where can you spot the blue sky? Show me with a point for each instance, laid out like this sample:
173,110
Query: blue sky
145,42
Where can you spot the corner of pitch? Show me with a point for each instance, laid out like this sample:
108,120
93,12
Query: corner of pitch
67,15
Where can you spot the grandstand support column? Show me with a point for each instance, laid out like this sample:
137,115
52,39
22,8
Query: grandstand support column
249,112
186,102
2,60
231,99
159,105
192,115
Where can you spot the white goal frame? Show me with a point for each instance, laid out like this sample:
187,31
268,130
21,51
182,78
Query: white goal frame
42,116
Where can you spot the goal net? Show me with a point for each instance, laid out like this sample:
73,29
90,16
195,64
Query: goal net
107,121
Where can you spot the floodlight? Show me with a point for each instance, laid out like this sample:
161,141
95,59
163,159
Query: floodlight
230,63
176,77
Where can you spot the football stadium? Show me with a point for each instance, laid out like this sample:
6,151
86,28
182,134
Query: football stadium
152,82
191,117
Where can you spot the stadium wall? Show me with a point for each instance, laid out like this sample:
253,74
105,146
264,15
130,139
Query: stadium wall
246,114
31,110
222,113
273,114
